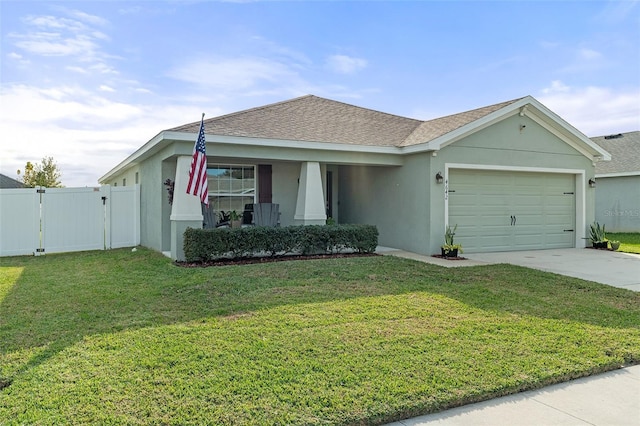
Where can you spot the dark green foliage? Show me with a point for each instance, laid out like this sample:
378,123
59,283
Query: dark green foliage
597,233
201,245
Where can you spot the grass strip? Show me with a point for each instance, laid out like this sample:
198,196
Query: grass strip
629,241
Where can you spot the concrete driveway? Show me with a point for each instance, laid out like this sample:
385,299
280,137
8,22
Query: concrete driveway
606,267
602,266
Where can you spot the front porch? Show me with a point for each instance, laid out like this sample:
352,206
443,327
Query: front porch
305,194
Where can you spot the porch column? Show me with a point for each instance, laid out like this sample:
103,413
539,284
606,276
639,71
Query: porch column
310,208
186,211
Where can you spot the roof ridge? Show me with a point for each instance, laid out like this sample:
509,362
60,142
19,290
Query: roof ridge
619,133
505,103
244,111
367,109
299,98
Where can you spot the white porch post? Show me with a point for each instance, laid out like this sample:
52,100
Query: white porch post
310,208
185,210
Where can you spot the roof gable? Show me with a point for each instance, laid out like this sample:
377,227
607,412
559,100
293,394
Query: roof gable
435,128
481,118
625,153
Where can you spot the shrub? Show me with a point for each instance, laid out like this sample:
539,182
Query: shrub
202,245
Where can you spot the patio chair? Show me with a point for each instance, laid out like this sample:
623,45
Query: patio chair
266,214
209,218
247,214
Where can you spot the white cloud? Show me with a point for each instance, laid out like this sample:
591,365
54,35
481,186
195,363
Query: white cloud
557,86
91,19
53,44
79,70
76,38
589,54
616,12
143,90
593,110
343,64
133,10
234,74
84,132
105,88
103,68
269,48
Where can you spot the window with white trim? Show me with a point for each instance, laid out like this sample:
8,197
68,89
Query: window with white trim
231,186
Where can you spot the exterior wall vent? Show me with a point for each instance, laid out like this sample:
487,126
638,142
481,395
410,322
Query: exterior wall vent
619,135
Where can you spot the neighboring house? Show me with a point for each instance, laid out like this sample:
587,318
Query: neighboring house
7,182
512,176
618,183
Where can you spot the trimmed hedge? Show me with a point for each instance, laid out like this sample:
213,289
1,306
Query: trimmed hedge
202,245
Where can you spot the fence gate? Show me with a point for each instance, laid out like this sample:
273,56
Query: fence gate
53,220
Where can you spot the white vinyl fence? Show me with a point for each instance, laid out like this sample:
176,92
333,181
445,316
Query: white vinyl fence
51,220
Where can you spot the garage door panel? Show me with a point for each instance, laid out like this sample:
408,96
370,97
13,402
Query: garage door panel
525,221
496,243
522,201
558,219
492,200
482,203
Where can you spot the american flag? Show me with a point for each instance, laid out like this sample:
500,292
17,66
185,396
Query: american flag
198,173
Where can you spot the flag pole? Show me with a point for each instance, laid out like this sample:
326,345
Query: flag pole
197,184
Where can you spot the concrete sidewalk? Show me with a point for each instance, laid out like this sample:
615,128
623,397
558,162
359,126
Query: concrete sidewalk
611,398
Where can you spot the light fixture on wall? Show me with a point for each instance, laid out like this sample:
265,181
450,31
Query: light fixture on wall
592,183
439,178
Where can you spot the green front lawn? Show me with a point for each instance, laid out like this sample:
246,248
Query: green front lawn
630,242
125,337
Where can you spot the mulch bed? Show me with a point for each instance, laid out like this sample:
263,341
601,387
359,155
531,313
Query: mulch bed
448,258
252,260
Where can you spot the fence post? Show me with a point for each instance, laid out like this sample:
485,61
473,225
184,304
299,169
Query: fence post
105,194
40,192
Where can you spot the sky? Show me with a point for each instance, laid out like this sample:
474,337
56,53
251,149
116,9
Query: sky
89,82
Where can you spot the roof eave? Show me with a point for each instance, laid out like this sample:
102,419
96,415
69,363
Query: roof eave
310,145
165,137
152,145
617,174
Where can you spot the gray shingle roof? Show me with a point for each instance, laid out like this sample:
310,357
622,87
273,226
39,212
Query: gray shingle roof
624,150
435,128
314,119
7,182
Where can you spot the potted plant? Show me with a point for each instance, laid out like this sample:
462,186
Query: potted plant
615,245
598,236
450,249
235,219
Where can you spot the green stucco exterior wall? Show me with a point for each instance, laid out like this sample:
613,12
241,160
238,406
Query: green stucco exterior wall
407,204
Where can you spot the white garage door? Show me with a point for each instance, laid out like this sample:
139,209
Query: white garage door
503,211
